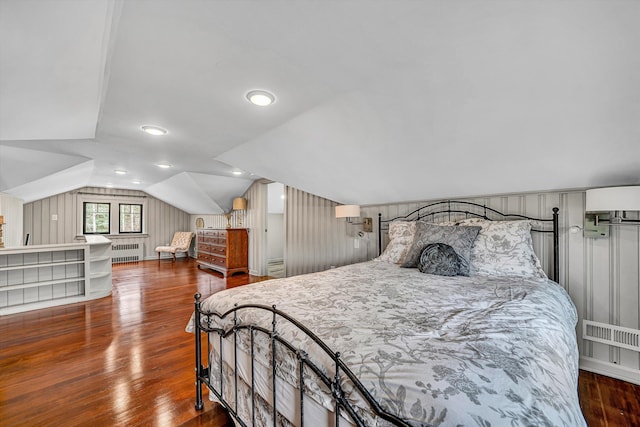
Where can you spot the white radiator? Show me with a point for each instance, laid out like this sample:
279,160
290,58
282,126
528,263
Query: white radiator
611,334
127,252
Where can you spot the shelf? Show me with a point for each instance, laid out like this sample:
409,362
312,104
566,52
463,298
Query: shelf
18,308
49,264
36,284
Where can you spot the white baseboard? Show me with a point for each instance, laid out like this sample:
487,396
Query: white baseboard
610,370
164,256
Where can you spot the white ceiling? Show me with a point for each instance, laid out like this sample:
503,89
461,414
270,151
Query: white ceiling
376,101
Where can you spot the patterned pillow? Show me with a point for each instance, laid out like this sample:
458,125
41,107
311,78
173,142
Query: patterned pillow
440,259
401,235
459,238
504,248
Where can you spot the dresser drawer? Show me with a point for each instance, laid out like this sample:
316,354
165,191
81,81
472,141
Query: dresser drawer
217,250
218,260
204,247
214,233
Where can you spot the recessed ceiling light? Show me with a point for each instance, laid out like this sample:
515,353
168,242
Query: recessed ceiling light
136,181
164,165
261,97
237,172
108,185
153,130
120,171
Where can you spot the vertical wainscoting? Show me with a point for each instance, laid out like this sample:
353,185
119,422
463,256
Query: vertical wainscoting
611,296
315,239
211,221
163,220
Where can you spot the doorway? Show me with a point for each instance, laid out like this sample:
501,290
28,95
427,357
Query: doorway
275,230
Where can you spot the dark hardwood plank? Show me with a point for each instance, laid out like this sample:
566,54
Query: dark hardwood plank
125,360
608,402
120,360
590,400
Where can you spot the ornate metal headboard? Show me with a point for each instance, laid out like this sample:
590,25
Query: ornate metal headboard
451,210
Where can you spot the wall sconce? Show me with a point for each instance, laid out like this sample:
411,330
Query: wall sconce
353,211
240,204
602,201
348,211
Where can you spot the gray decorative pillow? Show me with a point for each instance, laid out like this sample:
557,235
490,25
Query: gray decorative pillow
504,248
440,259
459,238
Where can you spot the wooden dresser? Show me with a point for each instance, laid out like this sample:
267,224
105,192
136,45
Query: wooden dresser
224,250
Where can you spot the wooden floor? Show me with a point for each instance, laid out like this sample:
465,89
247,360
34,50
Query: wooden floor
125,360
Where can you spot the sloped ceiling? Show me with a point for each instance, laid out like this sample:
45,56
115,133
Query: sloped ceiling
375,101
53,61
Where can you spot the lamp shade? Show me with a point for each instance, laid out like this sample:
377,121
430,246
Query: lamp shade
613,199
239,204
348,211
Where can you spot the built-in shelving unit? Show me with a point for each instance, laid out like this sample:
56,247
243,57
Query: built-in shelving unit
99,266
33,277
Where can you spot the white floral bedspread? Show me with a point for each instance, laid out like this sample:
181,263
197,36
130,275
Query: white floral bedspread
435,350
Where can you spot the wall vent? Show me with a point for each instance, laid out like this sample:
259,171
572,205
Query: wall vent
126,252
611,334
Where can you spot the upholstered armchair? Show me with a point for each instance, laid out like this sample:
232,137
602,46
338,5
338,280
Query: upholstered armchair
180,243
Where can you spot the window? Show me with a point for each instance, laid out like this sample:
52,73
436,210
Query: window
112,214
130,218
96,218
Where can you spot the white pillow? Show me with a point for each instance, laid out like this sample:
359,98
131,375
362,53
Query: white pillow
504,248
401,235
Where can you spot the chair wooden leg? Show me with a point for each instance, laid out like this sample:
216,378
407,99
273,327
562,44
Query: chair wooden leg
174,257
158,256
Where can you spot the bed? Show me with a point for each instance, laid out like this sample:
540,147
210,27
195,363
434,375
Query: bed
380,344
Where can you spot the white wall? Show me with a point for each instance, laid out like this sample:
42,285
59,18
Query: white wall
11,208
275,221
275,236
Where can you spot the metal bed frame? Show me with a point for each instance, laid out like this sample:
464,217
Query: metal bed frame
340,371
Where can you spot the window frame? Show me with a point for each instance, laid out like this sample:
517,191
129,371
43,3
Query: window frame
114,200
120,205
84,217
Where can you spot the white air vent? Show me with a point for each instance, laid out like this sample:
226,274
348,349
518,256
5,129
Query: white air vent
126,252
611,334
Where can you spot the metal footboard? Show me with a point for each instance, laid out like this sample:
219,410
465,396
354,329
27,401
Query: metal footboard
332,380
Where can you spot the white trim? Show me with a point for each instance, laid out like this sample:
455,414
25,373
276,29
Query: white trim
610,369
167,256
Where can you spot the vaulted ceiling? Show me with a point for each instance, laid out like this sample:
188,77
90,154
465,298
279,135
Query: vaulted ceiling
376,102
